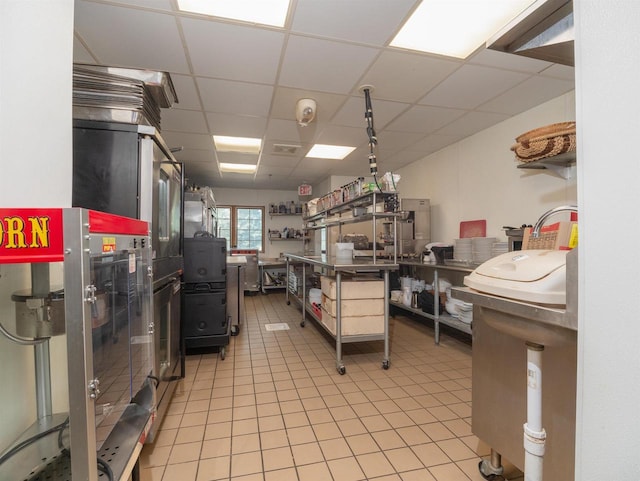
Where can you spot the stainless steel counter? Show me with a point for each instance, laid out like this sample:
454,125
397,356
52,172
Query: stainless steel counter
499,377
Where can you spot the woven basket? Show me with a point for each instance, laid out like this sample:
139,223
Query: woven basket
547,141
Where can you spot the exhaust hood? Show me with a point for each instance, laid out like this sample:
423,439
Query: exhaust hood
543,31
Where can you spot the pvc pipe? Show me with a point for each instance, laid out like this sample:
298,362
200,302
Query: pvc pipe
534,433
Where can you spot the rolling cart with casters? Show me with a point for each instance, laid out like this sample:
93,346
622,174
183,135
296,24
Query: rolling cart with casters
329,264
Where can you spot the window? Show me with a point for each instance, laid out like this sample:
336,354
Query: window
243,227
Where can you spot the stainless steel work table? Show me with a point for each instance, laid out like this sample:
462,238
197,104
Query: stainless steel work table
437,317
355,266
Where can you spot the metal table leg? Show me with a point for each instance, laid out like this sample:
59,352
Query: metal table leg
385,360
286,291
339,364
304,295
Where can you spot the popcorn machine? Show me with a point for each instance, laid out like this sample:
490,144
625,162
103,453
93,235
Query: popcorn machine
104,310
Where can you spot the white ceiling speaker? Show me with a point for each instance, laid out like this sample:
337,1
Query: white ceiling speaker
305,111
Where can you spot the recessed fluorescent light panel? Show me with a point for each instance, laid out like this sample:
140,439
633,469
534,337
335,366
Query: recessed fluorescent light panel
456,28
337,152
265,12
245,145
238,168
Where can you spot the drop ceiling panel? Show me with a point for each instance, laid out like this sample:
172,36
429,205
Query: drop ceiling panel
406,77
472,85
129,37
289,161
527,95
324,65
187,140
352,112
285,100
396,141
236,125
225,96
424,119
288,131
338,135
235,78
190,121
274,170
237,158
193,155
362,21
471,123
234,52
186,90
560,71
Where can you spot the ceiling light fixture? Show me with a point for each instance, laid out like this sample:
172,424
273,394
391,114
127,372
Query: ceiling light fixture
334,152
238,168
456,28
265,12
305,111
245,145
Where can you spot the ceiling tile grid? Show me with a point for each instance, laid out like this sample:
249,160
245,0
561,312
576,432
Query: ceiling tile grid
241,79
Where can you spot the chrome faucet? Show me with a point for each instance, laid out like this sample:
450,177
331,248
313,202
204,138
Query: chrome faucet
535,232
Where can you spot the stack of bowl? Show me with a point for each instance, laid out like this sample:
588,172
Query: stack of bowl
499,248
481,248
462,249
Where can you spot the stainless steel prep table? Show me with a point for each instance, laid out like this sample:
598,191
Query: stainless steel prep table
356,266
264,265
437,317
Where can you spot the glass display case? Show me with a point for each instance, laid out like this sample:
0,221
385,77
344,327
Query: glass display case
104,311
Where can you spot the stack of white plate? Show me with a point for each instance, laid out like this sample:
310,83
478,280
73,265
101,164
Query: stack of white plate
462,249
499,248
481,248
460,310
465,312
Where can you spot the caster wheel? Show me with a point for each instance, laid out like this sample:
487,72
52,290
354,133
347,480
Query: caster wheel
235,330
385,364
288,303
302,324
222,353
342,370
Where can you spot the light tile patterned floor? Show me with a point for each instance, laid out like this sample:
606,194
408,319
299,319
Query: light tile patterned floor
277,410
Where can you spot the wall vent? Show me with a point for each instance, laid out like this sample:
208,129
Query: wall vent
285,149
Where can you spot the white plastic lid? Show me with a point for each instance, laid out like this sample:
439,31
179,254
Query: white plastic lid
523,266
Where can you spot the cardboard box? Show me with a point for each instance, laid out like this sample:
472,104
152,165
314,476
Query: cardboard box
354,325
353,287
354,307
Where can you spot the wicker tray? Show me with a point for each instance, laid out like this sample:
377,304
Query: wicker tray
547,141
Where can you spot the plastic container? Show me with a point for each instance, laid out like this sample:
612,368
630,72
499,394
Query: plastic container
315,296
344,251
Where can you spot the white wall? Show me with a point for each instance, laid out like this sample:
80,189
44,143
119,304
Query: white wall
262,198
478,178
36,46
607,102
